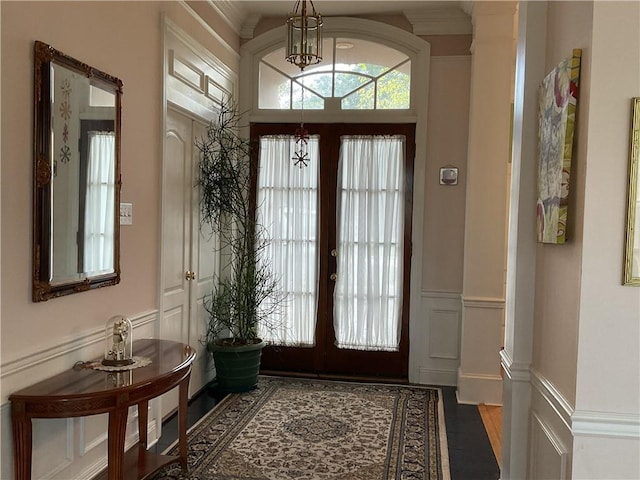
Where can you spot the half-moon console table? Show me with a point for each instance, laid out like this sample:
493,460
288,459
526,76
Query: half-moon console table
77,393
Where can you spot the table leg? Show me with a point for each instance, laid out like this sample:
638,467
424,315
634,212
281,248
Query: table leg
117,432
143,417
183,392
22,438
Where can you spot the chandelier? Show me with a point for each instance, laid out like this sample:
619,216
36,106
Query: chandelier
304,35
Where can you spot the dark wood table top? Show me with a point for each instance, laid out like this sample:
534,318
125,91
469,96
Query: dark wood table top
167,358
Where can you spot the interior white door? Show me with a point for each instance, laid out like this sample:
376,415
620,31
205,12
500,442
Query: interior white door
176,228
189,257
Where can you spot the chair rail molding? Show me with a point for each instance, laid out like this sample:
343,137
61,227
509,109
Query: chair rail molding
605,424
517,371
483,302
553,397
43,362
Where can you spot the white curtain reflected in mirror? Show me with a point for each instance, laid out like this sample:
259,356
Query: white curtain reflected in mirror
99,209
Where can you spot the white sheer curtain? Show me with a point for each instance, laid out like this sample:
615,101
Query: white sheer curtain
370,221
100,201
288,208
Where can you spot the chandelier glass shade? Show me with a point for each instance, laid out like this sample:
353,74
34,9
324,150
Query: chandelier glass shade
304,35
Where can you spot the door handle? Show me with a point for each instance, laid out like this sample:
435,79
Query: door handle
334,277
189,275
334,253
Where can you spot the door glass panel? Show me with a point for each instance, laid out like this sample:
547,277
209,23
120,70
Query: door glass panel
353,51
362,99
275,89
393,91
287,200
370,226
311,100
357,62
348,82
321,83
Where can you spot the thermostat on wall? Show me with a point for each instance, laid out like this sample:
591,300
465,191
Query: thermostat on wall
449,176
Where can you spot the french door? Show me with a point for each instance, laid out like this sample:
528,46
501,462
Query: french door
339,233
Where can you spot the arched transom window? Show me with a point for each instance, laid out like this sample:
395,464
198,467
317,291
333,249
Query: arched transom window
354,74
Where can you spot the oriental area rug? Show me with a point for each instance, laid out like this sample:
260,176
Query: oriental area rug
289,428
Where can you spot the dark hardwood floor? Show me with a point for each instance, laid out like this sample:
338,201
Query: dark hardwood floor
470,454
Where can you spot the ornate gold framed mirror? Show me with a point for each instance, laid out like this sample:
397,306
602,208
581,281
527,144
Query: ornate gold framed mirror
76,176
632,242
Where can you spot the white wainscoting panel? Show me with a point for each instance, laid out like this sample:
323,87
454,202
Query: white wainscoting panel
73,448
437,356
516,413
548,456
551,439
53,441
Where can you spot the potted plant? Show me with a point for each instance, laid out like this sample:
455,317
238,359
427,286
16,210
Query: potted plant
246,292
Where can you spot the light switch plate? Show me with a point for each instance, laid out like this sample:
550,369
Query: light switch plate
126,214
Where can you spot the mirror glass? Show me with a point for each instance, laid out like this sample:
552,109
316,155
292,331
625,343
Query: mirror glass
76,176
632,248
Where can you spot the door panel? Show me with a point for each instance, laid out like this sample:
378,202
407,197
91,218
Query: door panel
368,295
324,357
176,227
185,248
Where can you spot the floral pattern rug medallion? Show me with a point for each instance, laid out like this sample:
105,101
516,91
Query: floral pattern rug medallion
312,429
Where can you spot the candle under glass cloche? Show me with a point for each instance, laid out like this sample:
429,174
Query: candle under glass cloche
118,350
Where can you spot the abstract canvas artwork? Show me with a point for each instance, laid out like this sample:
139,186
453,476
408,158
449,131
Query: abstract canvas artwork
557,118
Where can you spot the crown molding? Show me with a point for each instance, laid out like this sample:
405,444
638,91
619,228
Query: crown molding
249,25
440,20
236,16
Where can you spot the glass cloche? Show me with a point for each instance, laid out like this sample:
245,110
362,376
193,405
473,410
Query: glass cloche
118,350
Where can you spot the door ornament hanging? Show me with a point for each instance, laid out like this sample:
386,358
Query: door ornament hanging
304,48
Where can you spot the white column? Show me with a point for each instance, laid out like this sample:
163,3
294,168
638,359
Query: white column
479,379
517,353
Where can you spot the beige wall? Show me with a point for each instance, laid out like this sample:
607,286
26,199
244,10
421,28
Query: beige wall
123,39
447,135
608,377
558,269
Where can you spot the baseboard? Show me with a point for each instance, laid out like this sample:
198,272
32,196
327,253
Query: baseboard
428,376
474,389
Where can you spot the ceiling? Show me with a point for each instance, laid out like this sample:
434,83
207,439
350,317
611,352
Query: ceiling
331,8
426,16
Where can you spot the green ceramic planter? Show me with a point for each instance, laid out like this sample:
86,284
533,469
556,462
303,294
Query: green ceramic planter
237,367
